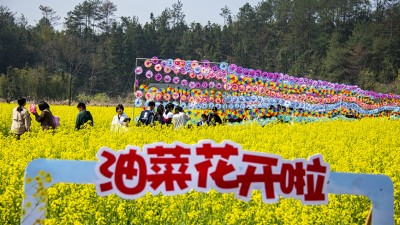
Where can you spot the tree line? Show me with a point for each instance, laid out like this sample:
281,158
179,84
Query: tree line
346,41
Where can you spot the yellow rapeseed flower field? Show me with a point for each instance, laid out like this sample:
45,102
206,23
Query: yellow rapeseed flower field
366,146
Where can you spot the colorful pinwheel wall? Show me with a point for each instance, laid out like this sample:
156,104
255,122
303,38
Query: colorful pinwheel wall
243,92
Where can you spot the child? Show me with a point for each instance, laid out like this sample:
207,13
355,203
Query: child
203,121
21,119
46,118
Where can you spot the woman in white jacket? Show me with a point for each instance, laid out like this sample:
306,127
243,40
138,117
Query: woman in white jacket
21,120
121,119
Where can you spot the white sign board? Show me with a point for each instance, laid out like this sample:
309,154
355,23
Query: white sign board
177,168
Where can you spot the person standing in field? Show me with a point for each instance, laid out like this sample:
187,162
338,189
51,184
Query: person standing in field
83,116
180,118
21,122
46,117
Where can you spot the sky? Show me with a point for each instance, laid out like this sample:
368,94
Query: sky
195,11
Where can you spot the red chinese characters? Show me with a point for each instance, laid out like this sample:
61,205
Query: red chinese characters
167,157
178,168
124,173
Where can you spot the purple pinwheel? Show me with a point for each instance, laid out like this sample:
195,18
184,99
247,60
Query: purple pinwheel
158,77
192,85
184,82
246,72
232,67
239,70
264,74
252,72
167,79
204,85
175,80
218,85
154,60
206,63
286,77
149,74
138,70
198,85
211,84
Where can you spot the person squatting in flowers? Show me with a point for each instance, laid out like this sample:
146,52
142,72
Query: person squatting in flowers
121,119
180,118
147,116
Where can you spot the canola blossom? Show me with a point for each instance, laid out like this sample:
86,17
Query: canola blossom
370,145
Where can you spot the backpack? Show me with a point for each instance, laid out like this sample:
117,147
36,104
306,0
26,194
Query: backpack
56,121
146,117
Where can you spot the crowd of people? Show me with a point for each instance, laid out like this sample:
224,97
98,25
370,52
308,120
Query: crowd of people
174,115
170,115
